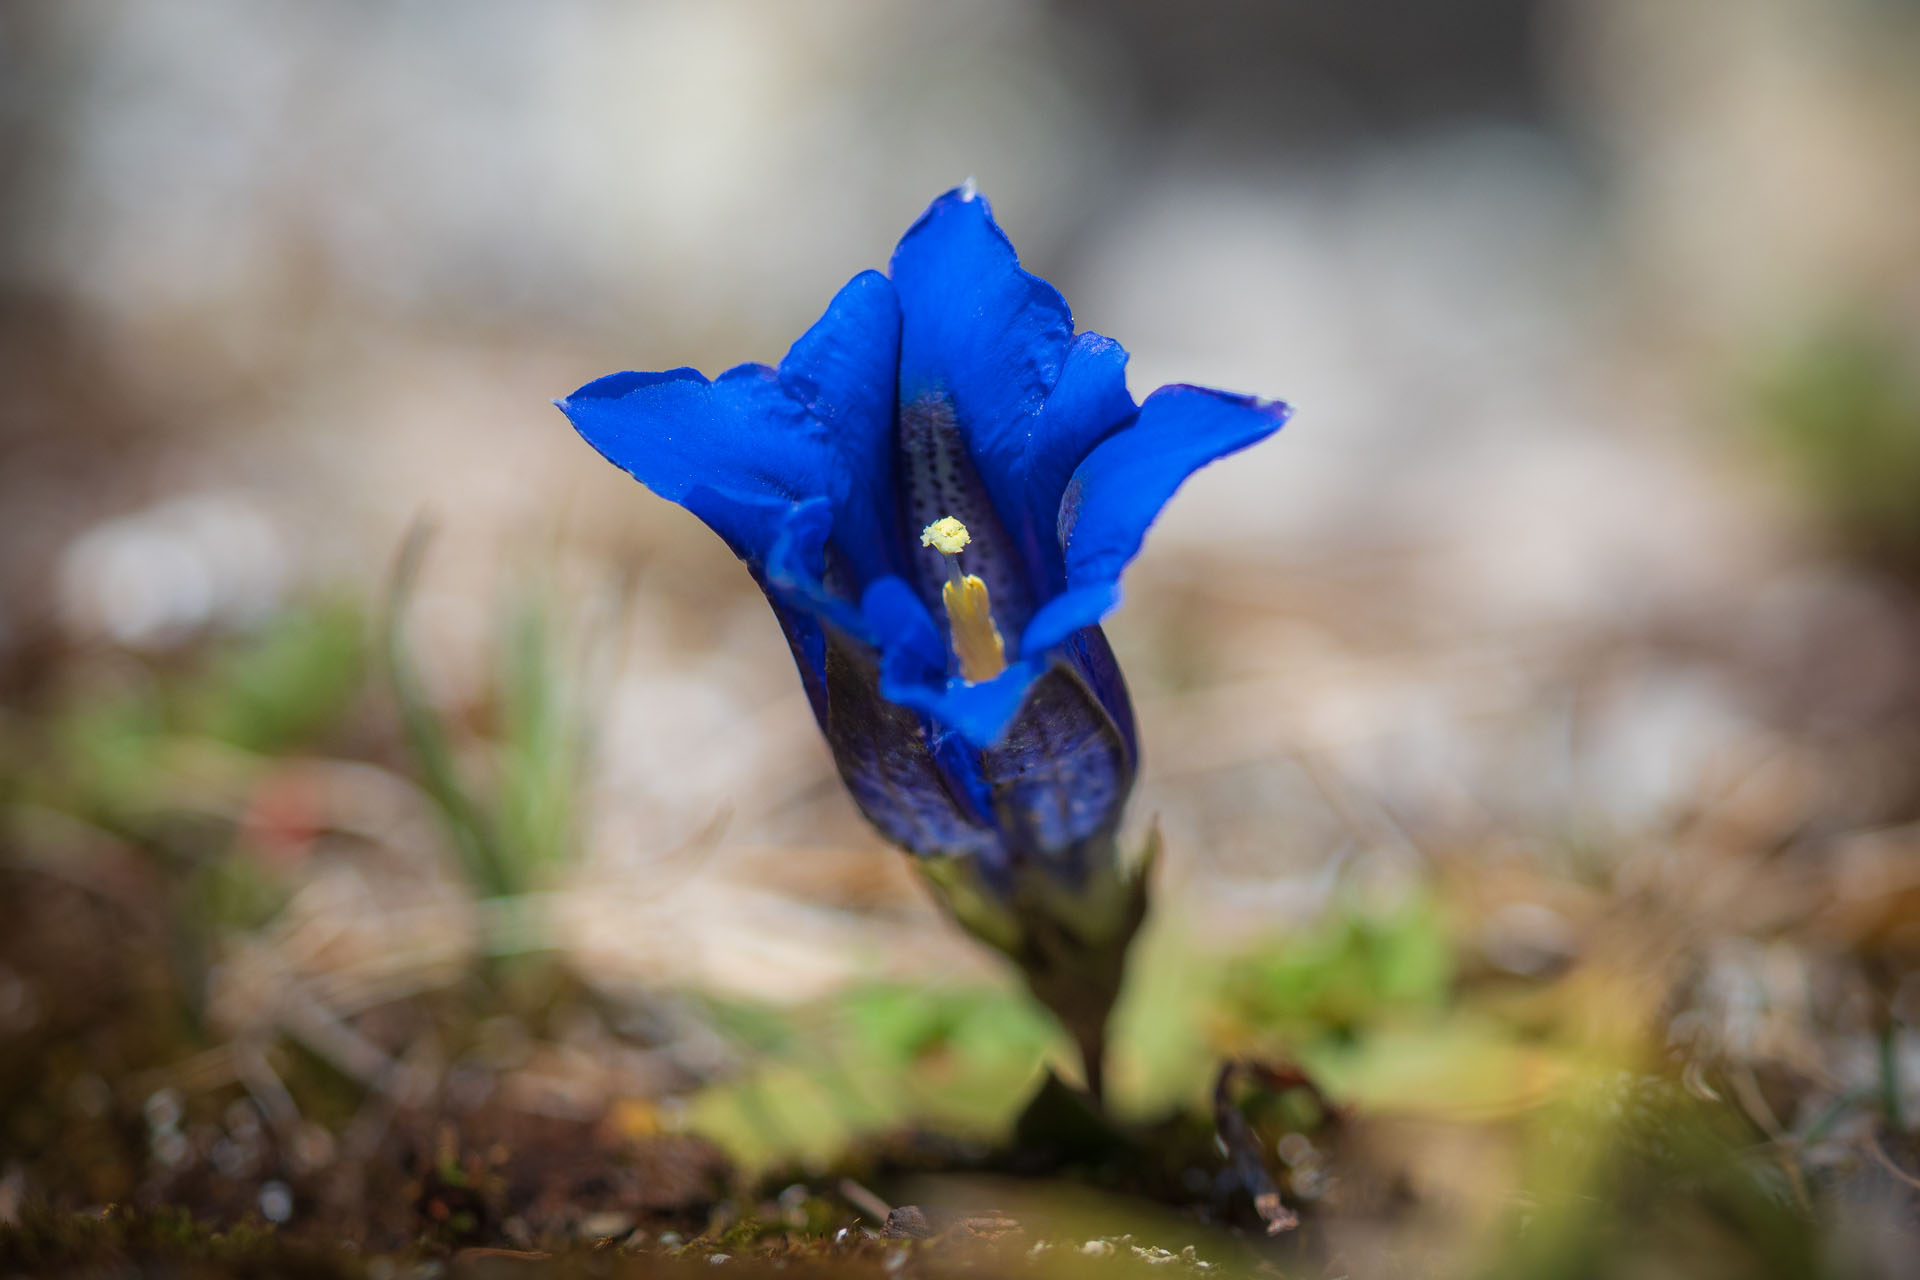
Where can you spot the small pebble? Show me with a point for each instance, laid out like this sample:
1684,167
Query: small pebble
600,1226
242,1119
1096,1248
230,1158
163,1109
714,1260
313,1147
1296,1149
276,1201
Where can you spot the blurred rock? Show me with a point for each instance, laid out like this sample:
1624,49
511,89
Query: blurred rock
159,576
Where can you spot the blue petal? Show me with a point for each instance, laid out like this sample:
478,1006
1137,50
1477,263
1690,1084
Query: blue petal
903,629
795,572
913,669
736,451
973,324
996,343
1066,614
1092,657
882,753
981,335
977,713
1119,489
1059,775
843,372
900,780
1089,403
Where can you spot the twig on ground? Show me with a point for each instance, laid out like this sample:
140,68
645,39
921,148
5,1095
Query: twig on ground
1886,1161
1242,1144
865,1201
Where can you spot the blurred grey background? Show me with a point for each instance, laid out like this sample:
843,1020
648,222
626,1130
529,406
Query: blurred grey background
276,279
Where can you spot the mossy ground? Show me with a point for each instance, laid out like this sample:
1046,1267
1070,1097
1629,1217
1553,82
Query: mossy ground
211,1068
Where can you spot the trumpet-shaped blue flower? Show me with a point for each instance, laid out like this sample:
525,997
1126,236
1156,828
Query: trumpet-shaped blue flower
938,489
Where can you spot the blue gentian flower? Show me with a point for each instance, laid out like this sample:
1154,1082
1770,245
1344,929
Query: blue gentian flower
938,490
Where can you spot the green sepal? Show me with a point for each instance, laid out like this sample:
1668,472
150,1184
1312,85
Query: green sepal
1070,944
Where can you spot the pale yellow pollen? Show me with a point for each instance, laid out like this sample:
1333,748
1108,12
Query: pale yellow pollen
946,535
976,640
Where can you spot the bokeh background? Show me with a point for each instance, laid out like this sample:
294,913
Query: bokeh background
1543,703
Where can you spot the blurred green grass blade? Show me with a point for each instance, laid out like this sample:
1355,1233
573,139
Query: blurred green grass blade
469,830
286,686
105,756
1345,971
1844,412
1629,1175
127,753
1889,1063
542,746
960,1060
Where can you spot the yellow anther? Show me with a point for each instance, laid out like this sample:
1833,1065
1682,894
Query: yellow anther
976,640
946,535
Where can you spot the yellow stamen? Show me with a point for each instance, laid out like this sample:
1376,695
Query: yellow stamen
946,535
976,640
